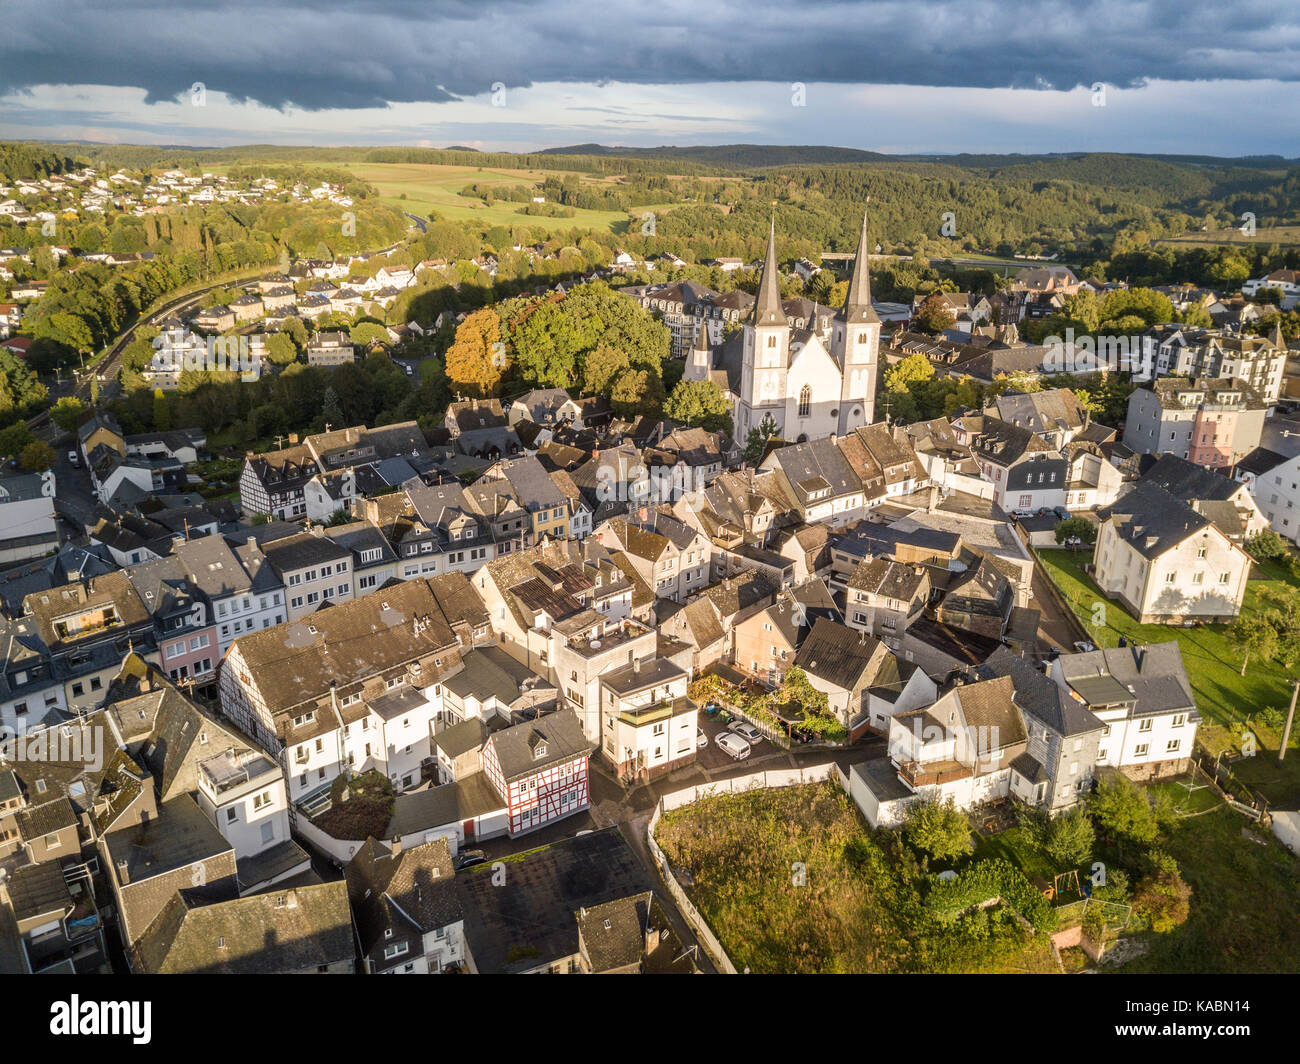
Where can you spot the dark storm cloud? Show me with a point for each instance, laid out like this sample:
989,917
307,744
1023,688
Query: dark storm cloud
330,54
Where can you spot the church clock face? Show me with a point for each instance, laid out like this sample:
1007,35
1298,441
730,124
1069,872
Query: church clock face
769,386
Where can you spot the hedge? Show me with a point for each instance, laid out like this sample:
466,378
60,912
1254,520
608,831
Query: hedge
985,880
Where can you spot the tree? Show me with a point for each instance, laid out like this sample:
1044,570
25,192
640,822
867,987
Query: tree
603,368
14,439
637,392
933,316
68,413
1069,838
1253,634
37,457
1122,810
700,404
1162,897
476,360
280,349
913,369
938,828
1077,528
331,410
1266,546
756,442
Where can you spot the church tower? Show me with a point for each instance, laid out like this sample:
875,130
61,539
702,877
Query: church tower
765,362
855,344
700,361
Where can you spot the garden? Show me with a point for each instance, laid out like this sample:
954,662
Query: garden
795,710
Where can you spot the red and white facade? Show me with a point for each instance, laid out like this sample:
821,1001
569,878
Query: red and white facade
554,792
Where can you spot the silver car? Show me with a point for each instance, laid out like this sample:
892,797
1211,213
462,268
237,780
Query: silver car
746,731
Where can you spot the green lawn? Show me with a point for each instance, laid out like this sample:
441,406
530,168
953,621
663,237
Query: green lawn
1245,896
1228,701
1013,845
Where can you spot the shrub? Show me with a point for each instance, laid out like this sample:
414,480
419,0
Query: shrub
985,880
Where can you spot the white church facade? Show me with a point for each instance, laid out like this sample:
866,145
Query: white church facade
813,381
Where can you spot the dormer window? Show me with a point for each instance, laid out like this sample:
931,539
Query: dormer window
539,752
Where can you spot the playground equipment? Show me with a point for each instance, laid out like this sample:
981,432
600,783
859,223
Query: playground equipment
1064,881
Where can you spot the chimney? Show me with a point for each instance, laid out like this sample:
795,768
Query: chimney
636,665
252,541
397,846
293,439
123,875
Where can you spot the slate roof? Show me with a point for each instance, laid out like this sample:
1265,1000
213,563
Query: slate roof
534,922
1151,674
613,935
416,886
1187,481
288,929
516,747
1039,696
1151,520
837,654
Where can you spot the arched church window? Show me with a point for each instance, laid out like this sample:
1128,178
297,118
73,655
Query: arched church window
805,401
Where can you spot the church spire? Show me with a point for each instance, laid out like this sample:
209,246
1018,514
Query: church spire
767,308
857,302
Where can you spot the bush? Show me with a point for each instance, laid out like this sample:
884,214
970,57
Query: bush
985,880
1162,900
937,828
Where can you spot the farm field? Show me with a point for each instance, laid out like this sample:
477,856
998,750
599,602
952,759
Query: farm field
1282,235
431,187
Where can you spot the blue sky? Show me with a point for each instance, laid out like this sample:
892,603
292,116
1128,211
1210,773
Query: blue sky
947,76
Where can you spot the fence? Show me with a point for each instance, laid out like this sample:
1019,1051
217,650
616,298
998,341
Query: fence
735,785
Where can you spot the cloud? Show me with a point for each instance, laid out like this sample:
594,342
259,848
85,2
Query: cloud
360,54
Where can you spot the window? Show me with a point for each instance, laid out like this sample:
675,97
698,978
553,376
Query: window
805,396
232,814
1140,750
1169,578
1179,720
1200,552
1144,725
1224,577
1198,578
1171,747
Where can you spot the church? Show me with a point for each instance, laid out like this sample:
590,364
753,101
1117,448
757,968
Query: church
815,375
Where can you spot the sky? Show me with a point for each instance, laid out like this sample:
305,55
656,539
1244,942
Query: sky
891,76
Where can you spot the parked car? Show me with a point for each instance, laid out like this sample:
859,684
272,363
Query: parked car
469,859
747,731
1018,514
733,744
1083,646
74,460
700,738
1061,512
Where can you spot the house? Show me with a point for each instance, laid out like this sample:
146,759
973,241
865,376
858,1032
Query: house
814,480
884,596
406,909
177,850
1026,471
1212,422
963,747
274,483
28,527
648,723
669,555
1274,483
1208,490
313,569
1167,562
348,689
298,930
1059,763
1258,362
54,920
540,768
330,349
845,665
1143,698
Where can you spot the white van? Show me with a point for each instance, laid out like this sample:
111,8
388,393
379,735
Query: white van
733,744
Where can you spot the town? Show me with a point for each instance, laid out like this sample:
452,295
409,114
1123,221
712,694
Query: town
406,600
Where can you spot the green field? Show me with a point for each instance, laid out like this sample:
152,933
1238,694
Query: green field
436,188
1282,235
1227,700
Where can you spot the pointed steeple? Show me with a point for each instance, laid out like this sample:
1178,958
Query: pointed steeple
767,308
701,348
857,303
1278,340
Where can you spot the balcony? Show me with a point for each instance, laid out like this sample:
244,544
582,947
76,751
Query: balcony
932,773
639,716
